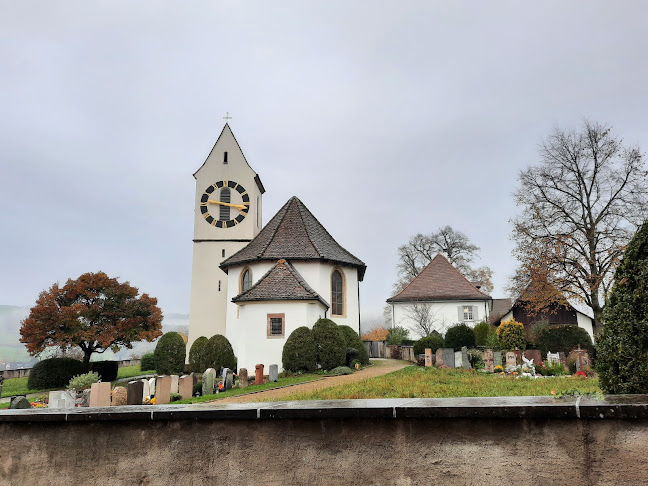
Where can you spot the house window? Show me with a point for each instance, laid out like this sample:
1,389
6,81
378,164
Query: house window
337,293
467,313
246,280
225,210
225,158
276,325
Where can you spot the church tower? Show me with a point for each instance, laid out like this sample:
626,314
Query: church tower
227,216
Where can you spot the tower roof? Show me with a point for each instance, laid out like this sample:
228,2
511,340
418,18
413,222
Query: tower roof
281,282
439,280
294,234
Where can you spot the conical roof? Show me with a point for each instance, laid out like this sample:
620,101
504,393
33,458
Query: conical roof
439,280
281,282
294,234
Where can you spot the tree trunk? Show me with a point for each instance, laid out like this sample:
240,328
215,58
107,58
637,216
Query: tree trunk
598,313
86,359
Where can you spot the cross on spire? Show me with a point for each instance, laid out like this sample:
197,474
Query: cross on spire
227,117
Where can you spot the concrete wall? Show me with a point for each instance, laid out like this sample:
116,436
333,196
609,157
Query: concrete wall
25,371
400,442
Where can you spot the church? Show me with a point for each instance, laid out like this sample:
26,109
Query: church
254,284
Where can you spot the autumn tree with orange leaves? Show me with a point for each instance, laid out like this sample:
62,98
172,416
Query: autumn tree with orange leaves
93,312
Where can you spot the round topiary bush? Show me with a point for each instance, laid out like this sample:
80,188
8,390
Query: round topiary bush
147,363
331,347
433,341
170,354
299,351
459,335
352,340
564,339
219,354
511,335
54,373
197,357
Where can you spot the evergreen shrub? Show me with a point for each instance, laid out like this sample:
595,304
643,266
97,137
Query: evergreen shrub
219,354
564,339
331,347
170,353
107,370
459,335
54,373
511,335
197,355
299,351
351,356
147,362
434,341
81,382
397,335
481,331
353,341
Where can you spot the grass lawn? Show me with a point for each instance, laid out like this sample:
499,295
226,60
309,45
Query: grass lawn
292,380
130,371
417,382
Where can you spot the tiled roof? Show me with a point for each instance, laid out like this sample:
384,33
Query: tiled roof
439,280
281,282
501,307
294,234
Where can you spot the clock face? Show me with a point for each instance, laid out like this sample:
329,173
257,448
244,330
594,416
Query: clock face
224,204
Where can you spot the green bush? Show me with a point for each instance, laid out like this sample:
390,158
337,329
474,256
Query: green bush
492,341
397,335
331,347
481,331
341,370
351,356
434,341
54,373
81,382
622,345
197,388
197,355
459,335
299,351
564,339
147,363
352,340
552,369
176,397
219,354
511,335
170,353
107,370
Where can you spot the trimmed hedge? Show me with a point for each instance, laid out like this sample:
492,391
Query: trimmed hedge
459,335
197,356
564,338
54,373
331,347
433,341
481,331
147,363
352,340
299,351
107,370
170,354
219,354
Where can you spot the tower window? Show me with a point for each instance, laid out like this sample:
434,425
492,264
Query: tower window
225,210
337,294
219,285
223,253
225,158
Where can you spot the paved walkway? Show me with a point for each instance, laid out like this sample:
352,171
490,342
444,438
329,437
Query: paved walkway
381,367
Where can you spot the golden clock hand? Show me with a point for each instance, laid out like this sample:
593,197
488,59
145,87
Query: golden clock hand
240,207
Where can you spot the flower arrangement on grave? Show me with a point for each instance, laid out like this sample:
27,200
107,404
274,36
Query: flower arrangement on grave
499,369
148,401
581,374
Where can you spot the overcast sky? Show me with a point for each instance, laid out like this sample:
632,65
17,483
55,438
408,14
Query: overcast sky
385,118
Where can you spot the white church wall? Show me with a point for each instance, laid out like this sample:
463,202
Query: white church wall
586,323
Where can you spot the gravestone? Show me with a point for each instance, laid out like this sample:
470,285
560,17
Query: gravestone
84,401
533,354
19,403
518,355
428,357
151,388
274,373
185,386
100,394
553,357
61,399
448,357
229,380
243,378
457,360
563,358
511,359
208,379
258,374
163,390
489,362
582,358
119,396
135,392
226,371
497,358
439,357
465,362
146,389
174,383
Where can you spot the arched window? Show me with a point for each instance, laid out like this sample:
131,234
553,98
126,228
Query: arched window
225,210
337,293
246,280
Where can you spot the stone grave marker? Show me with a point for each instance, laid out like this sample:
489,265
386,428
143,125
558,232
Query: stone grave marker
229,380
511,359
489,362
533,354
119,396
146,389
582,358
61,399
497,358
243,378
163,390
208,379
151,388
563,358
185,386
464,358
19,403
448,357
100,394
518,355
175,383
84,401
553,357
258,374
274,373
457,360
439,357
135,392
428,357
224,377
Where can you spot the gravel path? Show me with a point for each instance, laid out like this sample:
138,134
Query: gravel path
381,367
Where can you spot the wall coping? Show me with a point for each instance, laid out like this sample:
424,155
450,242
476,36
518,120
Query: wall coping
627,407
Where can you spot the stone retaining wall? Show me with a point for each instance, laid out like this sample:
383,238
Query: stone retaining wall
22,372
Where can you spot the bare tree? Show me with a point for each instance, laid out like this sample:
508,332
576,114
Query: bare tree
456,246
424,318
580,206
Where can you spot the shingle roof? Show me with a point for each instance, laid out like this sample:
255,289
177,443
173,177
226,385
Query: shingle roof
294,234
501,307
281,282
439,280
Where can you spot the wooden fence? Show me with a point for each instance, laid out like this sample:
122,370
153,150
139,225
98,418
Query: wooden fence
380,349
